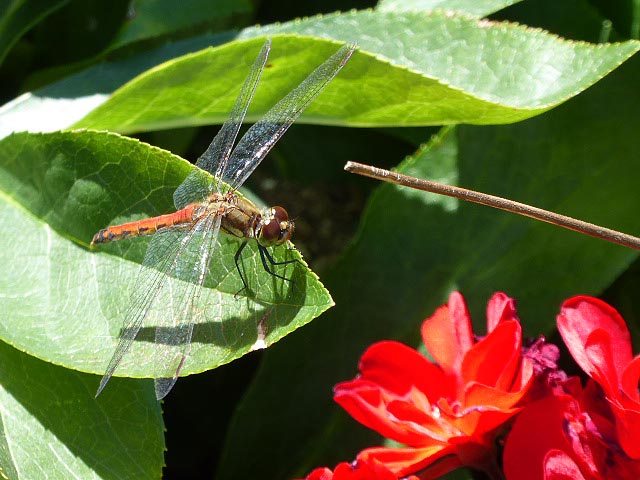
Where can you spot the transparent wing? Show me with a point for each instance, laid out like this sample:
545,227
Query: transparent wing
175,324
148,283
165,298
198,185
261,137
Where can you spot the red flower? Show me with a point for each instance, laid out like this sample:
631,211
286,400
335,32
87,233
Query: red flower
576,433
448,413
599,341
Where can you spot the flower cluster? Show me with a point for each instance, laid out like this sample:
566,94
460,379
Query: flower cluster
491,404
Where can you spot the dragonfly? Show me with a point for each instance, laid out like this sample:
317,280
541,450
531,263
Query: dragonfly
184,242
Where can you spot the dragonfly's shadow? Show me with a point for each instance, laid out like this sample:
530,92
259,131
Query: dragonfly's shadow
235,333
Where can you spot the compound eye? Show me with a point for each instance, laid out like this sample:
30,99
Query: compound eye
271,231
279,214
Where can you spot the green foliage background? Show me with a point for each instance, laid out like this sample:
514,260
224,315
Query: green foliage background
534,101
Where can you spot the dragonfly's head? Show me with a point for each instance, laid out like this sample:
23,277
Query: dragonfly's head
275,227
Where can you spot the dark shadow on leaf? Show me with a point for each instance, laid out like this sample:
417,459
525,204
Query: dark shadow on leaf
240,332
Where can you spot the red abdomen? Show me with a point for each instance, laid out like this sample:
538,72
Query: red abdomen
146,226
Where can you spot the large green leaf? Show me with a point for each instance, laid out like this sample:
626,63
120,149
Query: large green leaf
440,68
66,304
413,248
52,427
413,68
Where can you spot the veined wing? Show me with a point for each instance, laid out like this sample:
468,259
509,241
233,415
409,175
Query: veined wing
198,185
262,136
165,298
175,325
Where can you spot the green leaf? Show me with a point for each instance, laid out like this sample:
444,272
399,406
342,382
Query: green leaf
154,19
53,427
413,248
501,73
18,16
176,82
472,7
439,68
67,304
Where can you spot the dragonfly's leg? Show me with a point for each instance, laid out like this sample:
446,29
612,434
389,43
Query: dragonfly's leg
265,255
273,262
236,259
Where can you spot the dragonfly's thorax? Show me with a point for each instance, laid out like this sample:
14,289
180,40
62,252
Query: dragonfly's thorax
242,219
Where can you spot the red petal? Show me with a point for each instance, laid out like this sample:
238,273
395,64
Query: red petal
560,466
597,351
400,369
369,405
448,334
362,470
431,428
628,428
500,309
630,380
580,316
320,473
537,430
477,394
406,461
358,470
494,360
475,422
363,401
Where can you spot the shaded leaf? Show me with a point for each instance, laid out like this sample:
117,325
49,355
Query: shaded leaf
155,19
53,427
624,15
18,16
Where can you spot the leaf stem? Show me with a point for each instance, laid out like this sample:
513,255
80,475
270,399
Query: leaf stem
496,202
